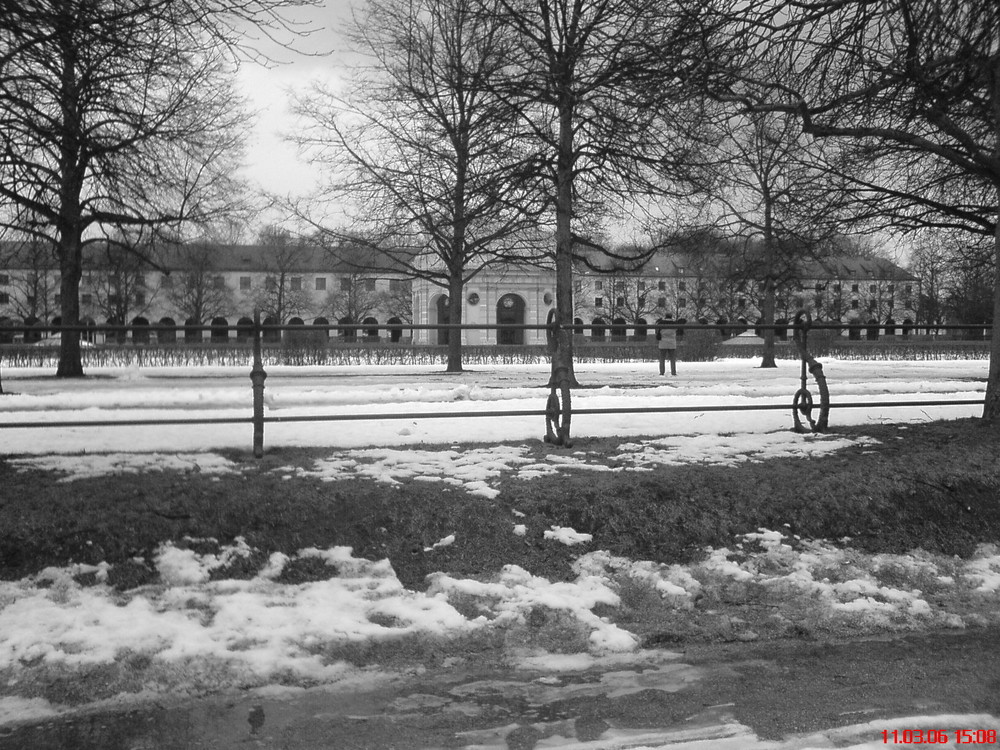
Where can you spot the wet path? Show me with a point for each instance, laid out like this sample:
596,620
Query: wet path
779,695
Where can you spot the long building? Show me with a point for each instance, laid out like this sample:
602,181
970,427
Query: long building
371,299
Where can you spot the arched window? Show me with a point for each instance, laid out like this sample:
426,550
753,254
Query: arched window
371,328
872,332
641,330
597,329
578,328
618,329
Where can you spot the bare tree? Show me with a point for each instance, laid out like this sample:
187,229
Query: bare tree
282,294
422,147
31,269
915,83
119,285
783,195
197,289
603,89
119,115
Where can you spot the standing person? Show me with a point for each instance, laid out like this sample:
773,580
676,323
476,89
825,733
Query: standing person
666,343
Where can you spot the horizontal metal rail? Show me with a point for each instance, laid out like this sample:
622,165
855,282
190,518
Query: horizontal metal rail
480,414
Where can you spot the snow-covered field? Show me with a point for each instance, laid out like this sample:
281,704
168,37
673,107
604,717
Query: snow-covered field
252,633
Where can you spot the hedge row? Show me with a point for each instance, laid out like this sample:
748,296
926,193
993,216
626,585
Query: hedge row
695,346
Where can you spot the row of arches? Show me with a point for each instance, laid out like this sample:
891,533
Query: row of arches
219,330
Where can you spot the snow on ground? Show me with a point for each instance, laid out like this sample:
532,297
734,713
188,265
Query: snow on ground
253,632
396,397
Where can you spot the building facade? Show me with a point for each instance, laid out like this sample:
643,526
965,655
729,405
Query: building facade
364,298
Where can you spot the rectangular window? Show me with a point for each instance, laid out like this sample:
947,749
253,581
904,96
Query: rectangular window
819,287
295,283
4,298
908,290
345,285
662,286
642,286
321,283
854,304
397,285
244,283
891,289
873,289
620,302
836,288
369,285
661,302
270,283
741,303
598,301
219,282
87,299
682,286
681,302
140,299
598,286
4,279
854,287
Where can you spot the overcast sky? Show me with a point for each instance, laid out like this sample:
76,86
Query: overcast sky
272,162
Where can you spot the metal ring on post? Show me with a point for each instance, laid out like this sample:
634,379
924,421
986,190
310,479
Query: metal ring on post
803,404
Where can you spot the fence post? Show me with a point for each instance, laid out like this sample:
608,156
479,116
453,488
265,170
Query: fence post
257,377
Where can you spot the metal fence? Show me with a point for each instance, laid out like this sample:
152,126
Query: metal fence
258,376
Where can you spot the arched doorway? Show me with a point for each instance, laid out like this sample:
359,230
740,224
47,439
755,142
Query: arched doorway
322,332
347,330
244,329
192,331
395,330
271,334
140,330
166,331
7,330
510,312
220,330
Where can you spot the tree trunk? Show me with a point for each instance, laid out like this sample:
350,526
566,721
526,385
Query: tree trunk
769,292
991,409
768,322
562,357
456,290
71,271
